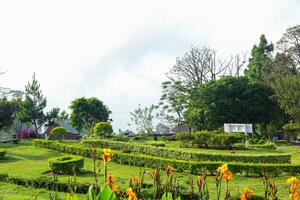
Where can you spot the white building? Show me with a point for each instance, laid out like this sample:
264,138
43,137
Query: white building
241,128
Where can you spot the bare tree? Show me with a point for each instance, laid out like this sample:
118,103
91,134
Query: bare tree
290,43
199,65
236,66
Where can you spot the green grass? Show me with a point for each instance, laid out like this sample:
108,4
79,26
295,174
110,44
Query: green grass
27,161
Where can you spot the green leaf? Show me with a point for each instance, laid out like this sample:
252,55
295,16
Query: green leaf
107,194
167,196
178,198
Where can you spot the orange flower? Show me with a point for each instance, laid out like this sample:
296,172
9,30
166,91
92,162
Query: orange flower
199,181
170,170
227,175
111,181
247,194
131,195
154,173
135,181
116,189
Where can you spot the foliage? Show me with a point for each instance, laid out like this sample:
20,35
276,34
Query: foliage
181,154
31,109
2,154
66,164
54,116
86,112
193,167
260,59
231,99
58,131
143,118
289,43
122,138
183,136
8,110
103,129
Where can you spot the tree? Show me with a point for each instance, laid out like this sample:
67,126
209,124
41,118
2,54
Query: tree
288,92
86,112
53,116
143,118
260,60
231,100
8,110
290,44
198,65
32,108
103,129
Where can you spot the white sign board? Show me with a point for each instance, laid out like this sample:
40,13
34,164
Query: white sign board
241,128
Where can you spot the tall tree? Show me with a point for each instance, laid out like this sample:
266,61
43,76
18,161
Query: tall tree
32,108
290,44
260,60
54,116
85,113
231,100
143,118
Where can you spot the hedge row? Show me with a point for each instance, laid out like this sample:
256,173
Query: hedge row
189,155
66,164
193,167
2,154
43,182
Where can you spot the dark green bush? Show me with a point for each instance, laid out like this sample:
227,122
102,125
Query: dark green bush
256,141
203,138
121,138
227,140
158,144
2,154
66,164
280,142
183,136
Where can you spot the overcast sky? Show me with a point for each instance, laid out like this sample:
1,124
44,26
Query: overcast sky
119,51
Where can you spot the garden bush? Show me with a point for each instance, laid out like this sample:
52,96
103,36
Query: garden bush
158,144
66,164
27,134
58,131
193,167
189,155
121,138
103,129
280,142
2,154
183,136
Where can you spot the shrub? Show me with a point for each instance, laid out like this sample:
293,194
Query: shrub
280,142
122,138
2,154
27,134
204,138
158,144
66,164
103,129
58,131
227,140
256,141
183,136
193,167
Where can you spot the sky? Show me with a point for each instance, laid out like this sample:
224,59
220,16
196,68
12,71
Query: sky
120,51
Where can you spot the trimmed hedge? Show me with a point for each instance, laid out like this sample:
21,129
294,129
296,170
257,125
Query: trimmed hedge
193,167
2,154
280,142
188,155
66,164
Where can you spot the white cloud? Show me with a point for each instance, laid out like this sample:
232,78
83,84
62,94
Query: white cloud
120,50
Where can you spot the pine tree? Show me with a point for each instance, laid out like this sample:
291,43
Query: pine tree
31,109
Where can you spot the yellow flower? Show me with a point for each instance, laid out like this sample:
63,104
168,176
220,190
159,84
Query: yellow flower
223,168
135,181
293,180
227,175
170,169
131,195
247,194
294,194
106,155
199,181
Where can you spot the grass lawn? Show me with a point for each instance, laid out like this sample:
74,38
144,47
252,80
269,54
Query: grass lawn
25,160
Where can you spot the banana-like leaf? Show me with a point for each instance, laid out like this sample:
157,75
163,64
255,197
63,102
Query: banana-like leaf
106,194
167,196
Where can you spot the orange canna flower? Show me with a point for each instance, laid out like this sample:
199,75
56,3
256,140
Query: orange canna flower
131,195
116,189
247,194
227,175
199,181
111,181
154,173
170,170
294,194
135,181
